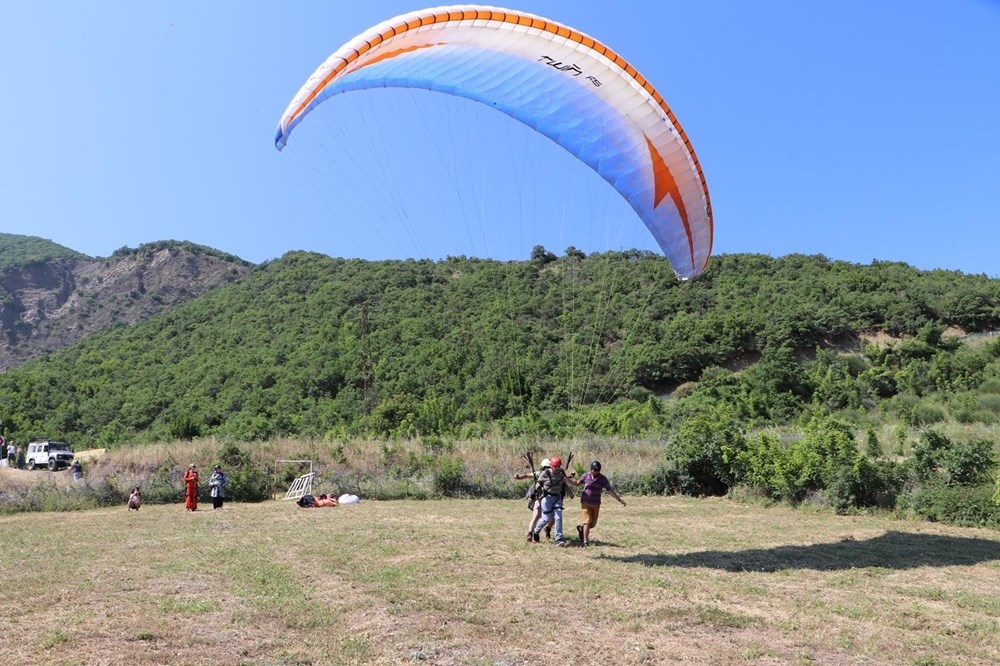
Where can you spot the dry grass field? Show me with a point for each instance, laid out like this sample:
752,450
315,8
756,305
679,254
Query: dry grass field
669,581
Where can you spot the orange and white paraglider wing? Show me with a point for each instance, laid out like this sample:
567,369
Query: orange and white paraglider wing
562,83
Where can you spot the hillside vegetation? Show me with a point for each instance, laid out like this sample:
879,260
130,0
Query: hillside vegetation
313,346
17,250
789,376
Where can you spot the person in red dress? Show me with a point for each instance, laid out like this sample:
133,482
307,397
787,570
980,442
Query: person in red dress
191,488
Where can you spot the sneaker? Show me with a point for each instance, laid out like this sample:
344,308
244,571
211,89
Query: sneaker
534,537
561,544
585,544
548,531
529,537
579,531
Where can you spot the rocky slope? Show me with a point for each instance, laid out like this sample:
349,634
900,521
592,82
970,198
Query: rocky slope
47,305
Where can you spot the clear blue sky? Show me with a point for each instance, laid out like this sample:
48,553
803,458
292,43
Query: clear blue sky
859,130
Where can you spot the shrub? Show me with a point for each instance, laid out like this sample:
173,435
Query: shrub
248,484
816,460
865,484
955,505
937,458
184,427
449,478
927,454
163,486
247,479
762,465
967,463
660,481
699,451
989,402
927,413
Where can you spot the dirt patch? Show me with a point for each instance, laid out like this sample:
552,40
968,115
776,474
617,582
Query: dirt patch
879,339
89,455
23,478
953,332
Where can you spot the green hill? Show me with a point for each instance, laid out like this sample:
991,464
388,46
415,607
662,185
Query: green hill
17,251
312,346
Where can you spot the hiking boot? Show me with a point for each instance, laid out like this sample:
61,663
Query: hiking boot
534,537
579,532
548,531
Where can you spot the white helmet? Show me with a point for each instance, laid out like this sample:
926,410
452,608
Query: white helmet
545,463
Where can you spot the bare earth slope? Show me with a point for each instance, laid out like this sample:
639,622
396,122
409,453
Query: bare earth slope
49,305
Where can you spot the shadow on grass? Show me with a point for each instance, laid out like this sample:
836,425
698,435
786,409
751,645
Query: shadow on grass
892,550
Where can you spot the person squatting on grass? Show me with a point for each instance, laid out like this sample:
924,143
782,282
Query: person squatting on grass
135,499
550,488
536,506
593,483
191,488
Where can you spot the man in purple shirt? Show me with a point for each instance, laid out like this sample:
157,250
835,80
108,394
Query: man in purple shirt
594,483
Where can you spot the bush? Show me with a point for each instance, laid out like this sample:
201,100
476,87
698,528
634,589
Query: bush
955,505
762,465
927,413
927,454
968,463
865,484
248,484
936,458
449,478
164,485
989,402
660,481
247,479
819,459
701,450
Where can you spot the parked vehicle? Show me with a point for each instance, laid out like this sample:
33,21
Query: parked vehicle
53,455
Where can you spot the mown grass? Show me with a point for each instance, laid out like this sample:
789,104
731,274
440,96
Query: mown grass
670,580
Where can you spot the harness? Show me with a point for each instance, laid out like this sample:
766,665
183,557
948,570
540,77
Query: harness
552,482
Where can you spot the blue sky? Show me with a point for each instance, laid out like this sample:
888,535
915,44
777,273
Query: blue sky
859,130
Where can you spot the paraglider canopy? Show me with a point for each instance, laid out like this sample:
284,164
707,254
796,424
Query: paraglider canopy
557,80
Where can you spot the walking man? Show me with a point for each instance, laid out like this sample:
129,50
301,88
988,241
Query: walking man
551,484
594,483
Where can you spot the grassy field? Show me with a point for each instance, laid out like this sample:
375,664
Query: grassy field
669,581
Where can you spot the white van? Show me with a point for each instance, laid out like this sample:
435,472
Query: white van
53,455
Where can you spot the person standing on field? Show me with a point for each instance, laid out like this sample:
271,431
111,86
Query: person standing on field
191,488
218,482
594,483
